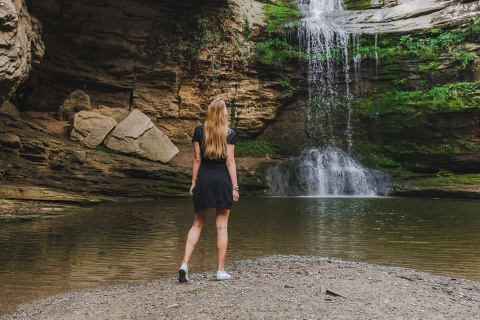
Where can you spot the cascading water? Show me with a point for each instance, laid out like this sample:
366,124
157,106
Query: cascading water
326,171
326,45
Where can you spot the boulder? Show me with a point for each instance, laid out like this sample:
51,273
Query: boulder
78,101
91,128
137,135
9,108
10,141
118,114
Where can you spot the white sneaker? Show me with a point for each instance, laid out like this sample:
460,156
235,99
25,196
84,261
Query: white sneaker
183,273
222,275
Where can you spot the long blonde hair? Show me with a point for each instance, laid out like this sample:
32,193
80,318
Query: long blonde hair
216,130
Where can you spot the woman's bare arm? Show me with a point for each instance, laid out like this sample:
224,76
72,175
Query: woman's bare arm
232,169
197,160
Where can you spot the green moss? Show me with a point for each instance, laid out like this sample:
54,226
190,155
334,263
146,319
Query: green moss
280,13
429,47
464,179
165,189
450,97
106,149
255,148
357,4
275,51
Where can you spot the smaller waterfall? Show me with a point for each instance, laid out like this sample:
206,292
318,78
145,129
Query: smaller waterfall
325,172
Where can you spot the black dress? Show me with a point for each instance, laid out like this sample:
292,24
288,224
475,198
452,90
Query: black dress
213,188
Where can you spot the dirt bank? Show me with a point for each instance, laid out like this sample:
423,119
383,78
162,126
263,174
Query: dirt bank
277,287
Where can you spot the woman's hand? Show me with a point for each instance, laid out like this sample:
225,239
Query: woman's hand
191,188
236,196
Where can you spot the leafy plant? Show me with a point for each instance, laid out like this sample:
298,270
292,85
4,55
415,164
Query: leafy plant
464,59
106,149
255,148
470,146
287,85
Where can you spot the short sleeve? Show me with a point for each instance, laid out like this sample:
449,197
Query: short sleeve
197,136
231,137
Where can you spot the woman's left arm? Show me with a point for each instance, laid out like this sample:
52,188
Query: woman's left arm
197,160
232,170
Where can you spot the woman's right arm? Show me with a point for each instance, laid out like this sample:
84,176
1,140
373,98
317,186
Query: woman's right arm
232,170
197,160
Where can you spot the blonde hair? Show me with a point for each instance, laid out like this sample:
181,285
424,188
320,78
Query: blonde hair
216,130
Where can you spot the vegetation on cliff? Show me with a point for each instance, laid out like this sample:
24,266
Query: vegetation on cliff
420,116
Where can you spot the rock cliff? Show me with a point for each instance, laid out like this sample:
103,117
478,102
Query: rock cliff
416,95
20,45
165,58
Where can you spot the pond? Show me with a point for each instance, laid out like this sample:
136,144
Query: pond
138,241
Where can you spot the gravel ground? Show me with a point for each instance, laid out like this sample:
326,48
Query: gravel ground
277,287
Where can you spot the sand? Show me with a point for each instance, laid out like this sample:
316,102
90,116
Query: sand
276,287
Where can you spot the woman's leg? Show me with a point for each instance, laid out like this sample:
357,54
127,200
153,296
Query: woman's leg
194,234
222,236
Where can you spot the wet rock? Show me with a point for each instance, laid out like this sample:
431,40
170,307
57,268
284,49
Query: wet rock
78,101
91,128
137,135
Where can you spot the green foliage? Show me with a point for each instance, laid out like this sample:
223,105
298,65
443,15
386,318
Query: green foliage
5,221
450,97
357,4
275,51
191,31
424,47
255,148
375,158
430,67
473,30
280,13
247,29
286,85
468,145
465,179
106,149
464,59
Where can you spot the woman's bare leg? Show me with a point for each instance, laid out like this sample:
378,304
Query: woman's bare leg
222,236
194,234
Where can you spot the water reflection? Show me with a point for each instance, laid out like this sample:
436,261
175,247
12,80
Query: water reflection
124,242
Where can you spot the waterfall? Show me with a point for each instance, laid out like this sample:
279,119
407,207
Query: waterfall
326,45
326,170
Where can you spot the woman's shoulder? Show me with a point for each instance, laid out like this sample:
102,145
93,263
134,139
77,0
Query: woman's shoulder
199,129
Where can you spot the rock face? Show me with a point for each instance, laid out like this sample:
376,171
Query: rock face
34,157
138,135
20,45
91,128
167,58
408,16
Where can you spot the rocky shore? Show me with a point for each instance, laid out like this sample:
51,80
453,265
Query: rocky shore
276,287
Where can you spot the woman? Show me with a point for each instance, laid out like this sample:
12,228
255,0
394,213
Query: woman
214,182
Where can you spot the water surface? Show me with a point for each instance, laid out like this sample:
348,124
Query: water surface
138,241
